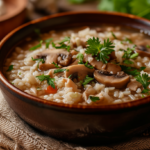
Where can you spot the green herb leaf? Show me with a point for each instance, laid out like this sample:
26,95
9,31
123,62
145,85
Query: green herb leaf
129,54
148,46
55,65
66,39
143,79
37,46
87,80
101,51
88,66
80,57
48,41
50,81
127,40
131,70
38,60
133,56
94,99
70,76
62,44
10,68
128,62
113,35
59,70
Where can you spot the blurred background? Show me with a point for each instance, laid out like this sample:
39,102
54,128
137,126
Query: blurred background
16,12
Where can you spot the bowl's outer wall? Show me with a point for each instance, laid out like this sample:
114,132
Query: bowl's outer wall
75,124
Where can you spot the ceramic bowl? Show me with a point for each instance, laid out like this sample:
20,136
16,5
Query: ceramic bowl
76,122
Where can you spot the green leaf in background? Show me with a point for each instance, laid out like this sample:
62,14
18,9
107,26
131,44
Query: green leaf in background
141,8
106,5
137,7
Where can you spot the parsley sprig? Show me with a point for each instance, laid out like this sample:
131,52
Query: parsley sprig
86,80
100,51
60,70
62,44
113,35
10,68
48,41
144,79
93,98
131,70
38,60
127,40
55,65
80,57
129,54
36,46
50,81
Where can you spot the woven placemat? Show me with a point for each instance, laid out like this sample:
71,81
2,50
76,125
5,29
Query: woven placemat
15,134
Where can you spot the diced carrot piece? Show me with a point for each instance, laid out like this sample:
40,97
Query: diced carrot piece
51,90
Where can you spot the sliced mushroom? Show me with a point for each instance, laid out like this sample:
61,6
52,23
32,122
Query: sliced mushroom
61,57
113,68
134,85
78,71
75,62
143,50
118,80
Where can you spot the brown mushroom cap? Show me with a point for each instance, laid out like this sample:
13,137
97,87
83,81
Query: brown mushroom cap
61,57
113,68
78,71
143,50
118,80
134,85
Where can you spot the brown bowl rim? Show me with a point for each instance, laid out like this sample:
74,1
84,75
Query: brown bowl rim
109,107
17,11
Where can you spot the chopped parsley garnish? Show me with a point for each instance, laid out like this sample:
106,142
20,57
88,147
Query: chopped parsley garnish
70,76
62,44
38,60
60,70
133,56
131,70
10,68
19,73
129,54
87,80
36,46
66,39
148,46
113,35
100,51
48,41
50,81
55,65
94,99
88,66
80,57
144,80
127,40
